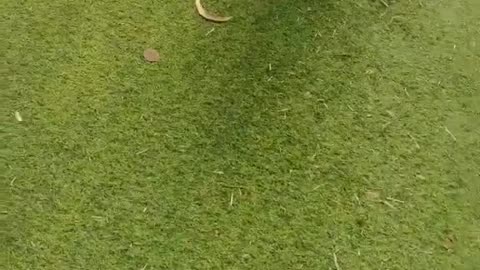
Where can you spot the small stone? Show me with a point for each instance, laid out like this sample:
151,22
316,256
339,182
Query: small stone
151,55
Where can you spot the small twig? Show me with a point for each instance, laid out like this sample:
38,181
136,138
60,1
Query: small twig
269,67
406,92
395,18
356,198
395,200
335,261
210,31
144,267
450,133
384,3
414,140
350,107
386,125
231,199
13,181
388,204
141,151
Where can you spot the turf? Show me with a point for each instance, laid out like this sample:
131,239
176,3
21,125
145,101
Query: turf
299,133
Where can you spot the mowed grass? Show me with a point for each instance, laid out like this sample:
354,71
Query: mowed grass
299,132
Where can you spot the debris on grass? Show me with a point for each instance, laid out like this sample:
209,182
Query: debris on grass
141,151
421,177
369,71
372,195
384,3
395,200
318,186
335,261
210,31
388,204
18,116
206,15
144,267
13,181
414,141
450,133
449,242
151,55
406,92
231,199
357,199
386,125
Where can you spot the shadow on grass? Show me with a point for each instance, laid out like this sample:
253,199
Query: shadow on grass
263,77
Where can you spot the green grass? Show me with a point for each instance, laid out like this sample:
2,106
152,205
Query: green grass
120,164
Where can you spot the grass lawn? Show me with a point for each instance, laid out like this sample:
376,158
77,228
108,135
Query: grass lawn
307,134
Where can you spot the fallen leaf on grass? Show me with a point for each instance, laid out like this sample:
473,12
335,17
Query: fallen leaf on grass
151,55
209,16
449,242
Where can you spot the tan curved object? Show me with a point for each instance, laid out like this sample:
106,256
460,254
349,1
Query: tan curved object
209,16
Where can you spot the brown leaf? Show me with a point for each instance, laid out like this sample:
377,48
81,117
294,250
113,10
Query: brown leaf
206,15
151,55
